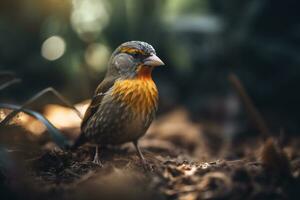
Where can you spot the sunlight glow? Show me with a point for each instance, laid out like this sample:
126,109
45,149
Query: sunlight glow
88,18
53,48
97,56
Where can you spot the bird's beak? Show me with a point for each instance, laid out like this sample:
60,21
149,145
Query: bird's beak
153,61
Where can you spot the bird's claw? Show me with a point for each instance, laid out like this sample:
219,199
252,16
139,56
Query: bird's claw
146,165
97,161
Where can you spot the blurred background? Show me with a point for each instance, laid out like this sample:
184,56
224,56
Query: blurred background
66,44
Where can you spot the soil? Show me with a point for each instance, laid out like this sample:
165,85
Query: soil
178,168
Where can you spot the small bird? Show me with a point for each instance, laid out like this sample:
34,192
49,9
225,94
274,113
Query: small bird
125,102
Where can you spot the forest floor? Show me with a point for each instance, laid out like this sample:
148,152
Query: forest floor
185,164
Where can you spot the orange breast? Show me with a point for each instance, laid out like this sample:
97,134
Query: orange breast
140,94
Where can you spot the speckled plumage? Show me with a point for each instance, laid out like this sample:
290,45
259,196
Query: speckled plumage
125,113
125,102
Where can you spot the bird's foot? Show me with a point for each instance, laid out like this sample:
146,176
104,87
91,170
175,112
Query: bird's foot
146,165
97,161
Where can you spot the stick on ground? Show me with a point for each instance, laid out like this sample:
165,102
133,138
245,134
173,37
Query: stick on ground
252,111
36,97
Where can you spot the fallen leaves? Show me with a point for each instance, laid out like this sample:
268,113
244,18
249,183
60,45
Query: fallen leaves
174,146
184,181
176,127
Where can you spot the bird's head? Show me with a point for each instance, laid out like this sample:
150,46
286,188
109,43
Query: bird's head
134,59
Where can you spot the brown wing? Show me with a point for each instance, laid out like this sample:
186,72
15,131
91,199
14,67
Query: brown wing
102,88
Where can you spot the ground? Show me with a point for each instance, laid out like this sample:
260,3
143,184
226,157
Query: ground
182,160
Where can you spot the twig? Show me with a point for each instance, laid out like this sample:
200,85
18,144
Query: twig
7,74
252,111
36,97
57,136
9,83
72,173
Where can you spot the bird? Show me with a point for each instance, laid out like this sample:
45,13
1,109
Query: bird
125,103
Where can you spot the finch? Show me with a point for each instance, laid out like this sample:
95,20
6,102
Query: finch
125,102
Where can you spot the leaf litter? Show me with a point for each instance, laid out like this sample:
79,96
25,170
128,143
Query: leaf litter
182,167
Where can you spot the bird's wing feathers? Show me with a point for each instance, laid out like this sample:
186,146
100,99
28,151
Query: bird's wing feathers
102,88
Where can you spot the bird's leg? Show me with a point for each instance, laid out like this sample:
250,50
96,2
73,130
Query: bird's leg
96,156
144,162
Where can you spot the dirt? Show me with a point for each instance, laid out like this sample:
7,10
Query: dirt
181,166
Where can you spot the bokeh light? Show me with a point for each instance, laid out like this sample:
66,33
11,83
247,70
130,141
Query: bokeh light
89,18
53,48
97,56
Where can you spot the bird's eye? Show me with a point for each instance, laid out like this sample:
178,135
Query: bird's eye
135,54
